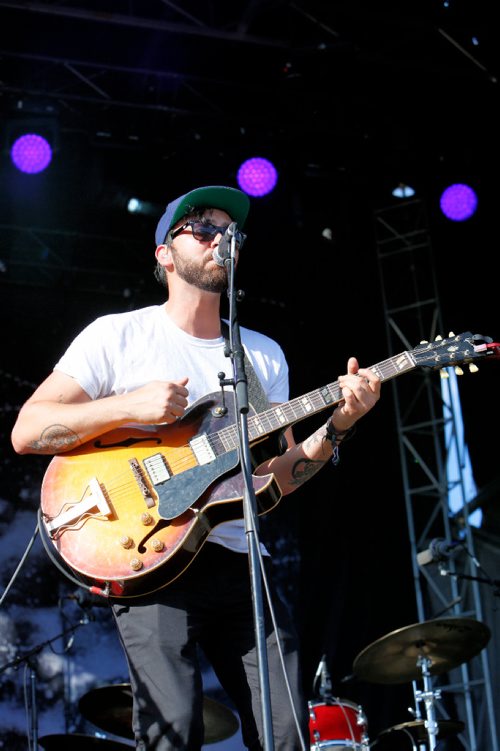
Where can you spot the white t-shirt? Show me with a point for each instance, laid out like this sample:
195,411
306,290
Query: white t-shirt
120,352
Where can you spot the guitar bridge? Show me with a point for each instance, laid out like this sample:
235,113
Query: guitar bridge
156,469
94,499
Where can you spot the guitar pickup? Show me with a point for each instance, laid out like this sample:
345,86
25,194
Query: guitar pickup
202,449
157,468
94,499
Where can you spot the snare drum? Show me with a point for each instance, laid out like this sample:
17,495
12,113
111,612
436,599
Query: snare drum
338,724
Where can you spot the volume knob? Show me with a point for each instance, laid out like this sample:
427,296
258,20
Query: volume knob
157,545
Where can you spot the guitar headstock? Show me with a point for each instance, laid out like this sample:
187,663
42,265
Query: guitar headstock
456,350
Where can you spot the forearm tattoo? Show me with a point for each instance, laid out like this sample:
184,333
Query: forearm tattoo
54,438
317,438
304,469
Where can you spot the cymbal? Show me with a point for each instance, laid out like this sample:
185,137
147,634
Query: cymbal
418,731
447,642
220,723
110,708
79,742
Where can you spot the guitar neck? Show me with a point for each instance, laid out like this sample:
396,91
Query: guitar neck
277,418
442,353
315,401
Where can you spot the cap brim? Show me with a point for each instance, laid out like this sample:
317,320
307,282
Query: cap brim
233,201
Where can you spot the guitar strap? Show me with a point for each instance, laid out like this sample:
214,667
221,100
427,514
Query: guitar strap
256,394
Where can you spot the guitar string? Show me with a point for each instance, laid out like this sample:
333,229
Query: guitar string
295,409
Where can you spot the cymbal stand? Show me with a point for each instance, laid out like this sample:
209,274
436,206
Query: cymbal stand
417,716
428,696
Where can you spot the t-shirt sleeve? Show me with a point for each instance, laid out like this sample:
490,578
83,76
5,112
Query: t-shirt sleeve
279,389
86,360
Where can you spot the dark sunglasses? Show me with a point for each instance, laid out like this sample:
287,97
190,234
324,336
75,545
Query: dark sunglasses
205,232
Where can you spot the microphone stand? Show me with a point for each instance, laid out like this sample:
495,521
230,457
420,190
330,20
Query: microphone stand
495,583
27,658
240,386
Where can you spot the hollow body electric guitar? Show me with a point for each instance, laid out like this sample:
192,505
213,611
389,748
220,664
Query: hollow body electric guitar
126,513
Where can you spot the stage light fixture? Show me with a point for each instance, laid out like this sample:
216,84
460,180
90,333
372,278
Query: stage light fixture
138,206
257,176
31,153
458,202
403,191
134,206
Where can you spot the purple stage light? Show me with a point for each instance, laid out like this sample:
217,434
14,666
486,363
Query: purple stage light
31,153
257,176
458,202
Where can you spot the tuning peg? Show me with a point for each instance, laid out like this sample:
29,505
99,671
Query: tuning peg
438,338
458,370
473,367
444,373
424,341
451,333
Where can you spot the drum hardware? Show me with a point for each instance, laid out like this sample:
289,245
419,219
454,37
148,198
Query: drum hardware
417,731
338,724
333,721
428,696
110,709
325,682
418,652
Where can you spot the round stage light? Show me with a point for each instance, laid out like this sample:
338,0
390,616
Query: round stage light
458,202
257,176
133,206
31,153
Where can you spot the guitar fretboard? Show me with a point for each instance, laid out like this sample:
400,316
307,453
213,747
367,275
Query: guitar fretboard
263,423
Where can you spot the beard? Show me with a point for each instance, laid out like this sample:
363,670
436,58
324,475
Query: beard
197,274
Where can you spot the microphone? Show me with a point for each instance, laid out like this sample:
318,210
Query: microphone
223,250
439,550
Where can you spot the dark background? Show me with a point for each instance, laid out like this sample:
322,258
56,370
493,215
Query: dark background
347,99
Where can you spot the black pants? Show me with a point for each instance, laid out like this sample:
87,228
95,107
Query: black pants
208,606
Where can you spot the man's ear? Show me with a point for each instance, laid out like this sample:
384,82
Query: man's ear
163,255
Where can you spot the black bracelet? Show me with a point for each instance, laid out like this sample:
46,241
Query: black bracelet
337,436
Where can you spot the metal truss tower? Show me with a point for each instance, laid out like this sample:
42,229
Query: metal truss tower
428,429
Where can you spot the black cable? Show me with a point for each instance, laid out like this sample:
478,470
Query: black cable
64,571
20,564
